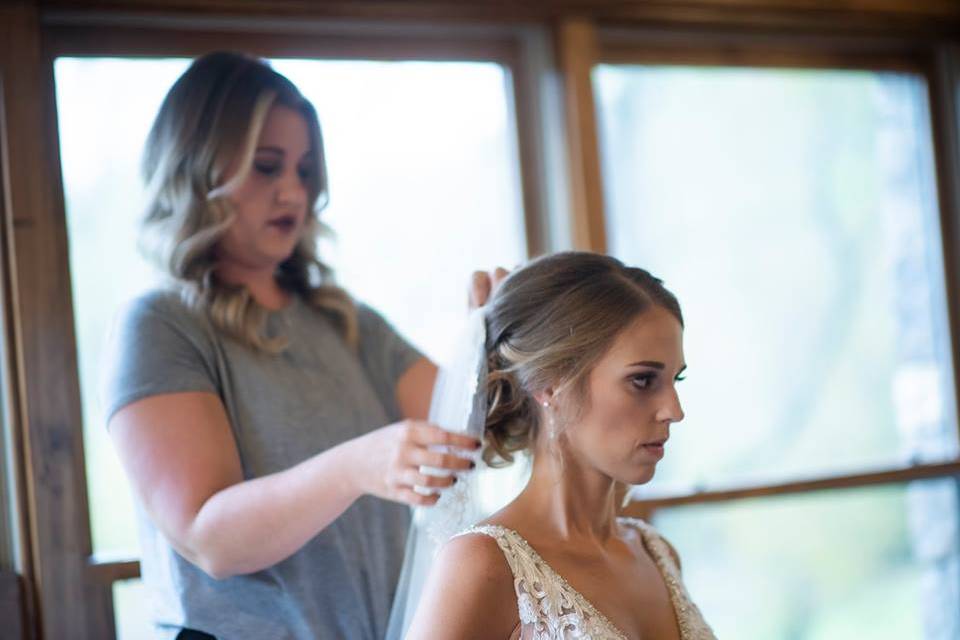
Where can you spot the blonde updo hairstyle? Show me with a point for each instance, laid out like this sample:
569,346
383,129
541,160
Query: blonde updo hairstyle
209,121
547,326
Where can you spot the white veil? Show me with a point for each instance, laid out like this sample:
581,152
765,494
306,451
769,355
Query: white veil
457,406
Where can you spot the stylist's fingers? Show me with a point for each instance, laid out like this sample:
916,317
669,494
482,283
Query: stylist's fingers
414,478
426,434
439,460
497,276
483,284
411,497
389,461
480,288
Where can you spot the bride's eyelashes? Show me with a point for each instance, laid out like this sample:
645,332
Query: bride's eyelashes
645,380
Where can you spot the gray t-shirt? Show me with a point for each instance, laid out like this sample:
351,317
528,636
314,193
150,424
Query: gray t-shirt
282,409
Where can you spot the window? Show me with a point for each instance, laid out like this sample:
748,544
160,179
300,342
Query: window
794,213
883,391
423,174
876,562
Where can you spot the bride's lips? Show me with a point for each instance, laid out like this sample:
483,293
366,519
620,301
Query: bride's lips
655,447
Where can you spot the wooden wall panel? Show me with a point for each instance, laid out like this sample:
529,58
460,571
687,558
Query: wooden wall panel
930,16
68,603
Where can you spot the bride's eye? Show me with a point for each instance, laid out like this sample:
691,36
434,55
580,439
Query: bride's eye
680,377
643,380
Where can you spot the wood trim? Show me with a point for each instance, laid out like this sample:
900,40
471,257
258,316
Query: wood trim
67,605
10,451
12,389
886,476
526,108
62,40
919,16
727,47
945,124
106,572
577,54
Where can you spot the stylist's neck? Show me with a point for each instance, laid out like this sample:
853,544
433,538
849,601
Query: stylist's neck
259,281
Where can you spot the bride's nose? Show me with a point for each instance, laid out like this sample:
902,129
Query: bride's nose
670,409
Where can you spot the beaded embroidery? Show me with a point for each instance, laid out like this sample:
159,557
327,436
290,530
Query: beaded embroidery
550,609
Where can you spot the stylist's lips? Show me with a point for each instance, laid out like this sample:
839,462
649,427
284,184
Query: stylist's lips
284,224
655,447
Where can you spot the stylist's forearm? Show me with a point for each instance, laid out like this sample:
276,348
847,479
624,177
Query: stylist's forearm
258,523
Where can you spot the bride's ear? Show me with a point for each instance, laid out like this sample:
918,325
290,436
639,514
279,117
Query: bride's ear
544,398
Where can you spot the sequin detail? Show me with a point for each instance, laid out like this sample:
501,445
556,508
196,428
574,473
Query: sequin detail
550,609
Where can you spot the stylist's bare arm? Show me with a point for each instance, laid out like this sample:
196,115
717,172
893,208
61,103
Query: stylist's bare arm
182,459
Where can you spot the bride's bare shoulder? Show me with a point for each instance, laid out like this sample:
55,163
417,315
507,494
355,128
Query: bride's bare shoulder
469,593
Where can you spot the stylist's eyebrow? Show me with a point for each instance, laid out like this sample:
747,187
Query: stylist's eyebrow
277,150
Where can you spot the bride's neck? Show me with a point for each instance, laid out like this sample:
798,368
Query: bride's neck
571,500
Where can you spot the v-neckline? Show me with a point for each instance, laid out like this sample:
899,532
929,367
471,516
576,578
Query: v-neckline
583,601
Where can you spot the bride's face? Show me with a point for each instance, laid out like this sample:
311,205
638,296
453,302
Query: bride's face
632,400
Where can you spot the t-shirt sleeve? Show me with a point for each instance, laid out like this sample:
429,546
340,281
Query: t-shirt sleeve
386,355
155,346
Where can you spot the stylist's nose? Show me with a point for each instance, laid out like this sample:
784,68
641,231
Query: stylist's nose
291,191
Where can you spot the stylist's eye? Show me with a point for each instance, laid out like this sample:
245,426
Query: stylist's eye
680,377
266,168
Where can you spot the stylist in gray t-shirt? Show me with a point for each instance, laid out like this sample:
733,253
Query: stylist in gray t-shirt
247,400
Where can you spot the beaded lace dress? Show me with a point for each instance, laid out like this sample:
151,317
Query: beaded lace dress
550,609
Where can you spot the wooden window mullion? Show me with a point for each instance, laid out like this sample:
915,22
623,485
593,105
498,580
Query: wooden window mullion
577,54
827,483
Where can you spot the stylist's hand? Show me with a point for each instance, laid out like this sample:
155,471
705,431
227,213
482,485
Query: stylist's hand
388,460
483,284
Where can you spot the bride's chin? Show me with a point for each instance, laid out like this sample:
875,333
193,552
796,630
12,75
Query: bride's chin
639,476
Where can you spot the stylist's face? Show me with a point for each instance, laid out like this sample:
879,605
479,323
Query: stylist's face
271,203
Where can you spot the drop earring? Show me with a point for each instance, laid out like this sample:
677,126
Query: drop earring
551,424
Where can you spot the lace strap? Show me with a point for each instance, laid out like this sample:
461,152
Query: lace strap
544,598
690,619
659,548
508,543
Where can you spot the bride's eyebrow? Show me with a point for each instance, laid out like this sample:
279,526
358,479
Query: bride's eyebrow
654,364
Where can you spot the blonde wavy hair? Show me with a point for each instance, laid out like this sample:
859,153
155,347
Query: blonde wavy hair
547,326
212,115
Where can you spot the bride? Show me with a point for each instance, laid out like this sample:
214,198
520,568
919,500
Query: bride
583,355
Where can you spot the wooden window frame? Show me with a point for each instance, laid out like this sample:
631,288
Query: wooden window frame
68,593
505,46
937,61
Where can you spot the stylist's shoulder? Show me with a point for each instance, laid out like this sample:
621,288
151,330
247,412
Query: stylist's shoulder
155,344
